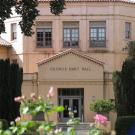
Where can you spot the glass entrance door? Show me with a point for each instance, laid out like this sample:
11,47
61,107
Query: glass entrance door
71,105
72,101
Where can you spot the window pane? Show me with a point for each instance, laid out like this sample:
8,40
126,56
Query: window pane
44,37
97,34
71,37
127,30
39,39
13,31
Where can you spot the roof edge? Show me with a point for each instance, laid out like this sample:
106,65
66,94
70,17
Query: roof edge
70,51
102,1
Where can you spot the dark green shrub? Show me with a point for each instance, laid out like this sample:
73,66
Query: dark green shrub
3,124
124,84
123,124
10,87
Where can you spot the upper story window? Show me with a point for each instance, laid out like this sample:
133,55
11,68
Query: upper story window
13,31
71,34
44,34
127,30
97,34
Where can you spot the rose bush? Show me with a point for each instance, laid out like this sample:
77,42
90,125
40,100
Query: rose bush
34,106
100,125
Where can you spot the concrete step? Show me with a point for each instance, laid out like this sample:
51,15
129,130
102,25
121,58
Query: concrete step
81,126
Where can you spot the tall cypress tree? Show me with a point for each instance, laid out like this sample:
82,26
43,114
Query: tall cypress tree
124,84
10,87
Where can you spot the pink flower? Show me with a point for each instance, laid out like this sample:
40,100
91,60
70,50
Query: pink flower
50,93
17,99
33,95
101,119
17,119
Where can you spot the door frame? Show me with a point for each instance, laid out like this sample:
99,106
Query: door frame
71,98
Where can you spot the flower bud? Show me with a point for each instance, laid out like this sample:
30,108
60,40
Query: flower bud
17,119
17,99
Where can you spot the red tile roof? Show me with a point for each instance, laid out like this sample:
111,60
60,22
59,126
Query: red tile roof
4,43
123,1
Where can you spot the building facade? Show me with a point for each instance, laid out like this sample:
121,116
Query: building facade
75,52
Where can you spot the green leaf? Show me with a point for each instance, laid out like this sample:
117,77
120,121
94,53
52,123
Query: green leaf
58,108
25,110
7,132
38,109
71,131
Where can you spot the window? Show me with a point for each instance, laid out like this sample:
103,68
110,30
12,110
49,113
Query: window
128,30
13,31
97,34
44,35
71,34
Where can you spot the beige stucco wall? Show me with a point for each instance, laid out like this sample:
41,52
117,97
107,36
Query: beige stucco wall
4,52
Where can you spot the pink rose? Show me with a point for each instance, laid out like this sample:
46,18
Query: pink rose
17,99
50,93
101,119
33,95
17,119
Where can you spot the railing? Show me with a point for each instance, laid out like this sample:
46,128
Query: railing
98,43
71,44
42,44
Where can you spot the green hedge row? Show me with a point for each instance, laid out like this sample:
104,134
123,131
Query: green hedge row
124,124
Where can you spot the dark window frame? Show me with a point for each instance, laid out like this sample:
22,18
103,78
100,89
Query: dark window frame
99,34
44,37
128,31
13,31
71,43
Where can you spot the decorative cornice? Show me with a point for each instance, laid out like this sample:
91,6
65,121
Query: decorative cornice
114,1
70,51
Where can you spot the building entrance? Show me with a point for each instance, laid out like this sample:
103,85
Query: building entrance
72,100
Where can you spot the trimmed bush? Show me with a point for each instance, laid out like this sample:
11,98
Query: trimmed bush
102,106
124,124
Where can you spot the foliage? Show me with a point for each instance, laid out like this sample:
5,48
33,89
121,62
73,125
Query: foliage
3,124
124,124
11,81
102,106
57,6
124,85
34,106
131,48
27,9
120,97
95,131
